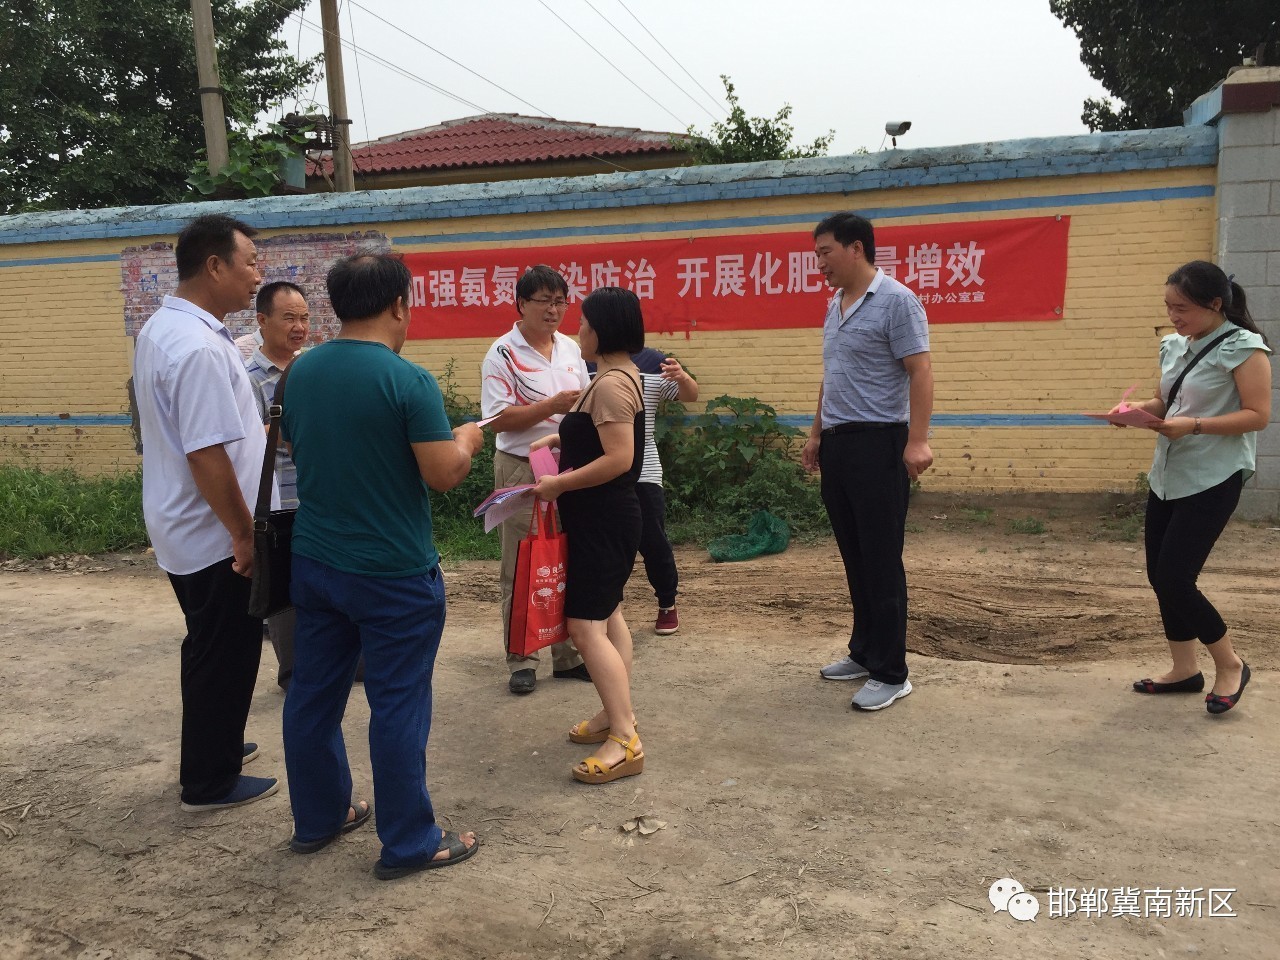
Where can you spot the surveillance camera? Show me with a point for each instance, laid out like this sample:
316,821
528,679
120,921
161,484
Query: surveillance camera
896,128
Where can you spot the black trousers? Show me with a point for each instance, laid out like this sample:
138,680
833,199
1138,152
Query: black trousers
220,655
1180,535
865,488
655,548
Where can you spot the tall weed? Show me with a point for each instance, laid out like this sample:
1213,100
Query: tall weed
459,535
44,513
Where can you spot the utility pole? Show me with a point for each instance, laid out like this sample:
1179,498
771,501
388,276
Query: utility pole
343,178
215,121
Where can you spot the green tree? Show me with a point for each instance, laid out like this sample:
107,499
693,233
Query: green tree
1157,57
743,139
99,102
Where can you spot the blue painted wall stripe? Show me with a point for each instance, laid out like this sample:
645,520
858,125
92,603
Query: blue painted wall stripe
981,420
792,420
48,261
72,420
871,213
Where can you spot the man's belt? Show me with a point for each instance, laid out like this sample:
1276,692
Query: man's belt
858,427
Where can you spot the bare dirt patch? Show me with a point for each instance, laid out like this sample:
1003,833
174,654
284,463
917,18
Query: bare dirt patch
794,827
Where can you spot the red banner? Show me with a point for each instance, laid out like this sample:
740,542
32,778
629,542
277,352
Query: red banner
968,272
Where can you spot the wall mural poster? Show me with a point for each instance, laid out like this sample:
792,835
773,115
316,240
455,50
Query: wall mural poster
149,273
964,272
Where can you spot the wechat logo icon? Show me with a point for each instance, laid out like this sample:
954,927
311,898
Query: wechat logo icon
1009,895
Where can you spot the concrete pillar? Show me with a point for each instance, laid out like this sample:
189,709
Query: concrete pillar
1246,109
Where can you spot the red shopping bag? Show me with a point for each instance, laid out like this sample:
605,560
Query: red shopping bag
537,603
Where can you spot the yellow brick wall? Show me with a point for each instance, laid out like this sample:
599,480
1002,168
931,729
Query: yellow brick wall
65,350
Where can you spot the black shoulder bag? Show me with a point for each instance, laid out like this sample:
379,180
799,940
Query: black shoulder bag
272,529
1173,391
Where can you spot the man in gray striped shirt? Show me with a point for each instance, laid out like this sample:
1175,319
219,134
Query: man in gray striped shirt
284,320
870,439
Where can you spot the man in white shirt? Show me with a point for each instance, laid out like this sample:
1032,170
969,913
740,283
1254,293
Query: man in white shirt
530,379
202,452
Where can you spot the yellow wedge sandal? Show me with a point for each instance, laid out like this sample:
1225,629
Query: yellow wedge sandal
580,734
593,769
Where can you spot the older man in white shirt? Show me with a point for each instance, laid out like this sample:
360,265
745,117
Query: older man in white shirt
202,453
530,378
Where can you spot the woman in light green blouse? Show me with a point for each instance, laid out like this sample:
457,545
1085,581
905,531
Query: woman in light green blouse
1214,397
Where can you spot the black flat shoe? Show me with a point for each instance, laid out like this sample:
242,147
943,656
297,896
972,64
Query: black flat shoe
1216,704
1190,685
579,672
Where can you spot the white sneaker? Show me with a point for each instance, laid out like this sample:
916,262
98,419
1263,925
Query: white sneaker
844,669
875,695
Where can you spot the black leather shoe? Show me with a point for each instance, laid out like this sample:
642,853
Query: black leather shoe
523,681
579,672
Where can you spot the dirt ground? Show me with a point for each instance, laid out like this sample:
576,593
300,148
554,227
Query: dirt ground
794,827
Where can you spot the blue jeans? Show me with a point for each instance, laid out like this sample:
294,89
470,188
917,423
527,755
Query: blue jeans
397,624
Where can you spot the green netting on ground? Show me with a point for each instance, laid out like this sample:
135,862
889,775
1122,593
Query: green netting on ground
765,534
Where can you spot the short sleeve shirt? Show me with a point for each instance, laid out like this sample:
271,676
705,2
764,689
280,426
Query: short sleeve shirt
656,389
265,376
612,399
1192,463
515,374
863,377
352,412
192,393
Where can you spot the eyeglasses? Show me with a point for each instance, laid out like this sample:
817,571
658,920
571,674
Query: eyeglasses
559,303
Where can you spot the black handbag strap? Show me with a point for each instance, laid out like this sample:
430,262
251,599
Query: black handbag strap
262,511
1173,391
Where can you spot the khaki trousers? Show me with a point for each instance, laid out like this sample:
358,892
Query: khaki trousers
510,471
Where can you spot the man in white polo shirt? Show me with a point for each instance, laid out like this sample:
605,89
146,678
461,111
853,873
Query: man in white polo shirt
202,452
531,377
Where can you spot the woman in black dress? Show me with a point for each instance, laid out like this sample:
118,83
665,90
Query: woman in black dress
602,440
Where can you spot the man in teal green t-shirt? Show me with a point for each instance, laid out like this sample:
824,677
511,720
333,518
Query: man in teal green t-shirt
369,435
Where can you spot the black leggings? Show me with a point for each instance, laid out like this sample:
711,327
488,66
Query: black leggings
1180,534
659,560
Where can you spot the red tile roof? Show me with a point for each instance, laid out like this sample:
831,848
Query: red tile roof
495,139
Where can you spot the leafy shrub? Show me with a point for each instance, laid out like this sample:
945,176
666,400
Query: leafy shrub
721,466
458,534
254,163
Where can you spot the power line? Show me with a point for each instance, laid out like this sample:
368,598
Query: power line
299,42
651,63
382,62
616,68
714,99
315,86
364,111
456,63
427,83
